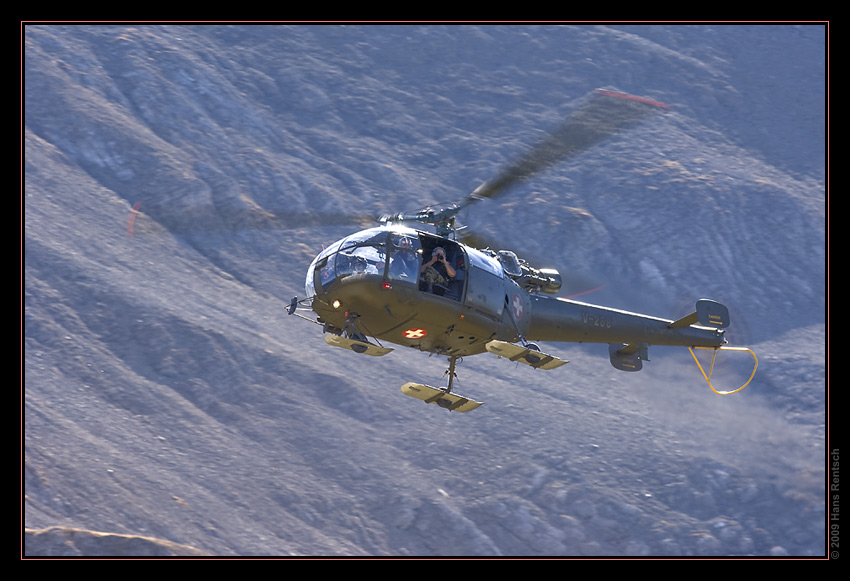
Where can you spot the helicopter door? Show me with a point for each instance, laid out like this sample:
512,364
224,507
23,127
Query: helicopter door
485,290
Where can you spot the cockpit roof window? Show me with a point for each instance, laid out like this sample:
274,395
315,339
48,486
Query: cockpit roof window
366,237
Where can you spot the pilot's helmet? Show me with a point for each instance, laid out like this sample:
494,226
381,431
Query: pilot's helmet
405,244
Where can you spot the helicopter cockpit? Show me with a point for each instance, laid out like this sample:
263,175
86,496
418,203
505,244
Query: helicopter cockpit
392,254
360,254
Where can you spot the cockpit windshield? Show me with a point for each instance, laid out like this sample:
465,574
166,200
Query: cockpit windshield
366,253
361,255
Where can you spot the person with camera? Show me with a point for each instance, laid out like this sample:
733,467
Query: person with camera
437,271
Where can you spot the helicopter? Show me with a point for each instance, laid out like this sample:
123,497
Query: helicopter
428,289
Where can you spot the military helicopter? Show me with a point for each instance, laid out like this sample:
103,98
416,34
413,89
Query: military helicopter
428,290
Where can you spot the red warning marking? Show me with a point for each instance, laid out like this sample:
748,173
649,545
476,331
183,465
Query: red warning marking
632,98
414,333
132,221
584,292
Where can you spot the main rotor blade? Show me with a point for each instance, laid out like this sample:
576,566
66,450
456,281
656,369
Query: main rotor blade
211,220
603,113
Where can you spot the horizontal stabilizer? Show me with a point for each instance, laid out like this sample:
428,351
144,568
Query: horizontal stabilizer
450,401
708,313
525,355
354,345
628,357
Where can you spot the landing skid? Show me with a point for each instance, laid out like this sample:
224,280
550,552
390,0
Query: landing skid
355,345
526,355
442,397
450,401
354,340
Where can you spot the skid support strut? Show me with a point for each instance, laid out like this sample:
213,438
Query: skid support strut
451,372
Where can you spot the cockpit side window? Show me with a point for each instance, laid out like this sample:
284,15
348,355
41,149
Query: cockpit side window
323,267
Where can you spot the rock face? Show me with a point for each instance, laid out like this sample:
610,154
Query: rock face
62,542
179,179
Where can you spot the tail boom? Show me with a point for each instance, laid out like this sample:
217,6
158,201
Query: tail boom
629,334
556,319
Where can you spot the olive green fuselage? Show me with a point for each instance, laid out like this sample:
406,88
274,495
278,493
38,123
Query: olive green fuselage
404,315
374,284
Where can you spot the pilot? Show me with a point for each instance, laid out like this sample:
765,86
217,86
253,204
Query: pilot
361,266
437,270
403,264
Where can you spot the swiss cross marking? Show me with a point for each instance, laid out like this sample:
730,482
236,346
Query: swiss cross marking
517,306
414,333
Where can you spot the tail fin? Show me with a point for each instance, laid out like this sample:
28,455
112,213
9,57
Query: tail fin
714,315
708,313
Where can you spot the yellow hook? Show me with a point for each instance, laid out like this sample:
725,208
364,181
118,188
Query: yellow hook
711,367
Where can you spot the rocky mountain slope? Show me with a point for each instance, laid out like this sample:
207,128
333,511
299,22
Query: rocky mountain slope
171,407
